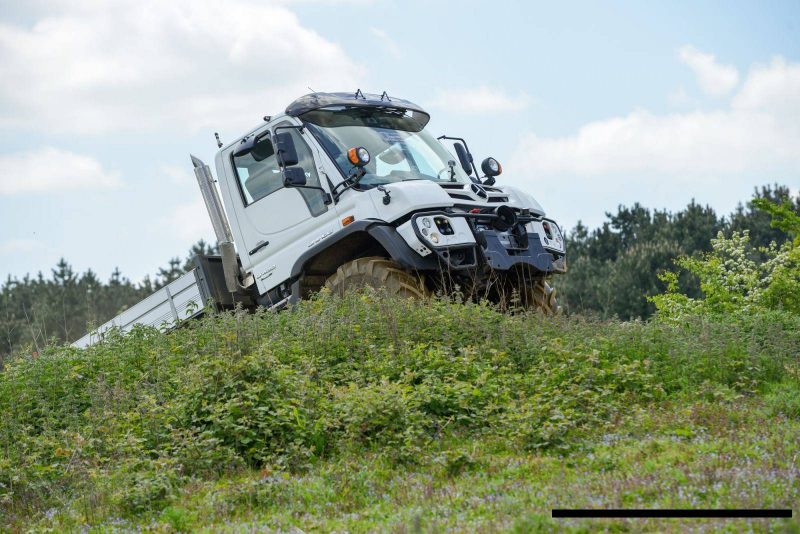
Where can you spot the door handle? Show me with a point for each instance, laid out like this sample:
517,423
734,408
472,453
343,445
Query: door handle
259,246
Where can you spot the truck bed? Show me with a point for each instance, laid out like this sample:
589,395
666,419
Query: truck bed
181,299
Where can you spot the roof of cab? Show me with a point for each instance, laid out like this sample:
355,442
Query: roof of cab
315,101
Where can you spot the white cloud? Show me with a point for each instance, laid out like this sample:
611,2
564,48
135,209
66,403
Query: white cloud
482,99
178,175
667,159
687,144
190,222
50,170
144,65
388,43
773,88
714,79
679,98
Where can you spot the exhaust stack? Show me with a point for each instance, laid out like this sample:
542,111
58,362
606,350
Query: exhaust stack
219,221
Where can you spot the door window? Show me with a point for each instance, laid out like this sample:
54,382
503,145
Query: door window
305,160
258,172
260,175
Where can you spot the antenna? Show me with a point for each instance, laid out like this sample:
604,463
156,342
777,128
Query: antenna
358,92
310,89
386,96
219,143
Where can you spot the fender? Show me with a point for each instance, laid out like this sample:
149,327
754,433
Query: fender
399,250
385,234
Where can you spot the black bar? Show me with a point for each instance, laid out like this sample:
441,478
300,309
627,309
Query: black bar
671,512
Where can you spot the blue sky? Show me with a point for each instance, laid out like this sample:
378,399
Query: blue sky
587,105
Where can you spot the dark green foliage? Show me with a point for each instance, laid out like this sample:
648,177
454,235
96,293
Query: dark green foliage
757,221
127,425
613,270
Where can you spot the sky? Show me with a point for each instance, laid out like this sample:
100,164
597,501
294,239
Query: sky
587,105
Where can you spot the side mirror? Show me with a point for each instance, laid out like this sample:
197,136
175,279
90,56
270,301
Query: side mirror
284,146
464,157
294,177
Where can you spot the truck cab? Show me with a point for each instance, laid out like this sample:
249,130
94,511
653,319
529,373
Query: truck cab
339,177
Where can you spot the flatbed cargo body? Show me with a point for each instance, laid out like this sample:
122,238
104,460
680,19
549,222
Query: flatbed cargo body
184,298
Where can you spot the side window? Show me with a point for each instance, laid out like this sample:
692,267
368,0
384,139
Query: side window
258,171
305,160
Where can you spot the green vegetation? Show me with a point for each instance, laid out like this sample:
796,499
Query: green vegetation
367,413
736,278
615,269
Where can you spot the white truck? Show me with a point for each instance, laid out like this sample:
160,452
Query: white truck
349,189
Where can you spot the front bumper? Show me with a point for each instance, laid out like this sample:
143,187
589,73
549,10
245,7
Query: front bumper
469,246
499,257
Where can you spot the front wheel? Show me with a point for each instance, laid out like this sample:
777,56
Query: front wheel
540,296
376,272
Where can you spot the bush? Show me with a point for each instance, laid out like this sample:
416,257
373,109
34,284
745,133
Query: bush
737,279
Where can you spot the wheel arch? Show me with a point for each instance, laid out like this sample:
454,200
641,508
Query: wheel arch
359,239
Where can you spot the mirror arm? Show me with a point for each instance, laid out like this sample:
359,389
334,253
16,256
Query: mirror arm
338,194
348,183
474,168
345,185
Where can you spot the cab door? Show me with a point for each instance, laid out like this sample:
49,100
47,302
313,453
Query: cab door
277,223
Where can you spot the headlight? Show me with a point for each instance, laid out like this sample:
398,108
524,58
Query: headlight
440,230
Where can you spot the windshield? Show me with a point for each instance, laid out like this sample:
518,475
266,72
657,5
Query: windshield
400,150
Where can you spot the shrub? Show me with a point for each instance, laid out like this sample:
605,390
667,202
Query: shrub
733,277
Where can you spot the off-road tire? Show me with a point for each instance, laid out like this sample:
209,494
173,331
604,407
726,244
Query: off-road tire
542,297
376,272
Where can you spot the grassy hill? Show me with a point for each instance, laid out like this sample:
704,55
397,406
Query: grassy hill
367,413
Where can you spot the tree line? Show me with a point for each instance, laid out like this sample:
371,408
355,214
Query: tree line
616,268
613,271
